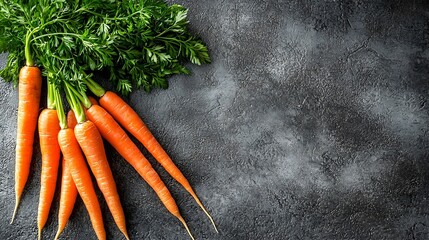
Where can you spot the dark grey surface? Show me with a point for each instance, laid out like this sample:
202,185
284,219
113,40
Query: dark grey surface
311,123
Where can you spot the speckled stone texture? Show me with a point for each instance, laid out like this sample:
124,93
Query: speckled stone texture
311,123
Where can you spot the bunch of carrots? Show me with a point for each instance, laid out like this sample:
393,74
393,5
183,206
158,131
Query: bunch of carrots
76,139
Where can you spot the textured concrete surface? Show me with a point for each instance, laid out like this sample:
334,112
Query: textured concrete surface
311,123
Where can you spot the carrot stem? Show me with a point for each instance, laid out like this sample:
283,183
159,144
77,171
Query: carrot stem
60,109
28,57
94,87
27,50
74,104
83,98
51,94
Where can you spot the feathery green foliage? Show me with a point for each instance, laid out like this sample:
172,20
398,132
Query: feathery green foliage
139,43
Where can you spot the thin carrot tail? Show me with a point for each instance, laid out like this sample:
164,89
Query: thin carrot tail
124,231
126,236
58,234
59,231
16,208
186,226
39,234
194,195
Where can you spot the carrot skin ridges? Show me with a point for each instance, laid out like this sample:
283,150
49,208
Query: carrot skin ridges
67,198
48,134
82,179
116,136
92,146
29,90
132,122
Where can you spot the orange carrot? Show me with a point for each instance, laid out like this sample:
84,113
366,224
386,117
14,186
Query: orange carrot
82,178
79,170
67,199
68,188
93,101
30,86
48,134
131,121
92,145
116,136
71,119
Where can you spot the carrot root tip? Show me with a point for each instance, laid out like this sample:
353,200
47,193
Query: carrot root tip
126,236
213,223
39,234
15,210
57,235
194,195
210,218
186,227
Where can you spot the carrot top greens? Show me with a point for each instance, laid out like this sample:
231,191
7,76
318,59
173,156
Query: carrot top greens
55,35
139,43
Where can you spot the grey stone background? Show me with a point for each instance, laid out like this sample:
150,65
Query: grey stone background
311,123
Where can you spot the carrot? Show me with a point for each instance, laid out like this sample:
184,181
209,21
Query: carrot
93,101
67,199
92,145
48,134
116,136
131,121
29,87
71,119
68,188
82,178
79,171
